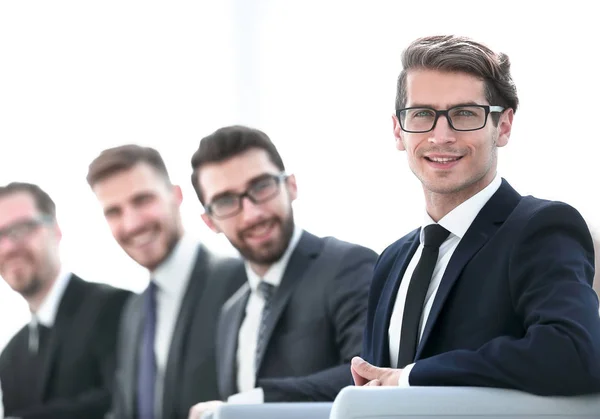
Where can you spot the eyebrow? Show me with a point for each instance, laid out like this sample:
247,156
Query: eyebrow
248,183
469,103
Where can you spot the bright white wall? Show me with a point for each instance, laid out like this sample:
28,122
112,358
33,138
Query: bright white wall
317,75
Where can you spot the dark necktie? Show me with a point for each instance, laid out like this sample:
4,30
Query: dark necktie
266,291
435,235
146,375
38,336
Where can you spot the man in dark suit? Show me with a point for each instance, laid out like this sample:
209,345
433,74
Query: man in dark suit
61,364
166,360
495,289
290,332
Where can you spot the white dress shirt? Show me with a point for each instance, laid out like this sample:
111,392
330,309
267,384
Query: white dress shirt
248,333
457,222
171,279
46,313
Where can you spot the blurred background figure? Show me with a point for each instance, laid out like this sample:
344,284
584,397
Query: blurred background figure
290,332
61,364
166,359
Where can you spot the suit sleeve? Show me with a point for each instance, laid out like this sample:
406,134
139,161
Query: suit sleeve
92,404
551,270
347,309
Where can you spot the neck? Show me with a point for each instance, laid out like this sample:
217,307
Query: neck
35,301
259,269
438,205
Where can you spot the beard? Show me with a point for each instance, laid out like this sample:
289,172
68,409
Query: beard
270,252
27,281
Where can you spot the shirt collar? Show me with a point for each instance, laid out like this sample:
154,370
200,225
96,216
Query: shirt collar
172,275
46,313
275,273
458,221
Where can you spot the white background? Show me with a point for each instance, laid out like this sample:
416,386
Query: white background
318,76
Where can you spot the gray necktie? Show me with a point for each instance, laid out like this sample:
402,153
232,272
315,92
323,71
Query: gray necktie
266,290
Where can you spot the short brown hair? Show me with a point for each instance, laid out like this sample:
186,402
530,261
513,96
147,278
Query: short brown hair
460,54
42,200
228,142
118,159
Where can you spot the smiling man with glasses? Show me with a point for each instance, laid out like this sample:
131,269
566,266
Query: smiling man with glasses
494,289
61,364
290,332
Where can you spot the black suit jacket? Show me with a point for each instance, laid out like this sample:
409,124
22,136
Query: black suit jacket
315,327
77,374
190,375
515,307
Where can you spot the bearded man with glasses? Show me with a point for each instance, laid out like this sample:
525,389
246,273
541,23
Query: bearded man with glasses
61,364
290,332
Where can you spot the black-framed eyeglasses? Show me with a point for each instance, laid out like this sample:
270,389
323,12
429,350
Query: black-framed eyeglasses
260,190
17,232
421,119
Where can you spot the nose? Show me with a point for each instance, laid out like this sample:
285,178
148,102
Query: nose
251,212
131,221
442,133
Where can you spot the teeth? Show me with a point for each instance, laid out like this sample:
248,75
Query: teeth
142,239
443,159
259,230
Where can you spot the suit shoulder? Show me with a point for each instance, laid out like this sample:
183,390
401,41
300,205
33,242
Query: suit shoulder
106,291
219,262
337,246
531,209
13,344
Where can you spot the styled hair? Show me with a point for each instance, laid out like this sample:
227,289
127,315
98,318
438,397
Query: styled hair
118,159
451,53
228,142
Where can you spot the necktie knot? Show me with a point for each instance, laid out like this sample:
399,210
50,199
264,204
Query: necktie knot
435,235
265,290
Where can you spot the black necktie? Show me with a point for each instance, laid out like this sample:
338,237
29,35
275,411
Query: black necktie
435,235
38,336
266,291
147,362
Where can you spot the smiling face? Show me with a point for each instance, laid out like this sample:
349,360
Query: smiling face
142,211
29,246
261,232
449,162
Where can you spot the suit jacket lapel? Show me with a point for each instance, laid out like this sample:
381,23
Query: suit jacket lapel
175,362
489,219
65,315
306,250
386,304
229,326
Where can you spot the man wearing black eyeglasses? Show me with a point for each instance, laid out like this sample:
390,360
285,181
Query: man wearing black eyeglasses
289,333
61,364
494,289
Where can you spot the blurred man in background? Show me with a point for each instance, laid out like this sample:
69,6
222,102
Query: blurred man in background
166,360
290,332
60,365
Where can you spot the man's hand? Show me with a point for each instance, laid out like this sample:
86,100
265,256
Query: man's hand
365,374
198,410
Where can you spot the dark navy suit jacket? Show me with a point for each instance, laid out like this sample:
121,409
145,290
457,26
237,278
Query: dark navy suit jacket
515,308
